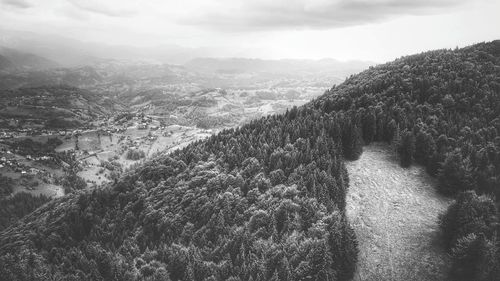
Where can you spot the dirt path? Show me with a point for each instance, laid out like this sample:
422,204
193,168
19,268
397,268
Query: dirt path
394,212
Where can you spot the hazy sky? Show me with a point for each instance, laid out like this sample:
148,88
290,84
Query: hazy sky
377,30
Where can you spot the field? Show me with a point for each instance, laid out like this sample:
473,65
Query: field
394,212
113,147
218,108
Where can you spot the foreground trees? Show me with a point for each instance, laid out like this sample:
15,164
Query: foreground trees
455,174
406,149
262,202
470,229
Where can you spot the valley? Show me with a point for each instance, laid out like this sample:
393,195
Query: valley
100,113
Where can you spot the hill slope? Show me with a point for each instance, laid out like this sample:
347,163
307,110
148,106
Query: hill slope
267,201
21,60
272,205
53,106
5,63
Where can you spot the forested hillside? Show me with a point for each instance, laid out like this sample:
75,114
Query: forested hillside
267,201
15,206
441,109
57,106
441,106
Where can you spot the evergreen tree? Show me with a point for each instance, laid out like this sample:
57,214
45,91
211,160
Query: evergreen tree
352,142
424,147
455,174
391,131
369,126
406,149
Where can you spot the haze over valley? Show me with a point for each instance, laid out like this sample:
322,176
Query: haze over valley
139,106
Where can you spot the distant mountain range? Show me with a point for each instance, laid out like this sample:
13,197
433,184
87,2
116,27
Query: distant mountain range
19,69
5,63
70,52
291,66
11,59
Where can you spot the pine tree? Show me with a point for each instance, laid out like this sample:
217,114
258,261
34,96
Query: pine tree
455,174
351,141
284,273
391,131
369,126
396,138
474,258
424,147
406,149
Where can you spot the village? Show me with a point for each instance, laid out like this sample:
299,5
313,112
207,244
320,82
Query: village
99,153
40,155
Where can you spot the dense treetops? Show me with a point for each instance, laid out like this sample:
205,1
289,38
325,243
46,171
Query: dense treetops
54,106
267,200
470,229
15,206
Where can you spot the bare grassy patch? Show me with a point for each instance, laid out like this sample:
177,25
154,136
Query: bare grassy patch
394,212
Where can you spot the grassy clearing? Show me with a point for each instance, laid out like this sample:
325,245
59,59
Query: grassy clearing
394,212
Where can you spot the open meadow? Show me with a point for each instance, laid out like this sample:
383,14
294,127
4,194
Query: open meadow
394,212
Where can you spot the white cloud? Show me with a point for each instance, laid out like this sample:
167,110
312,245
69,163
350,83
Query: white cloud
17,3
312,14
366,29
112,9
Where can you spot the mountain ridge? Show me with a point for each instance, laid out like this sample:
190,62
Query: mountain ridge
60,105
23,60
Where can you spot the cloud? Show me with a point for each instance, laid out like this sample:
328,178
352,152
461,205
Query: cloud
110,10
241,15
22,4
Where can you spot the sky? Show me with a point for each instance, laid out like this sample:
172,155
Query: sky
373,30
